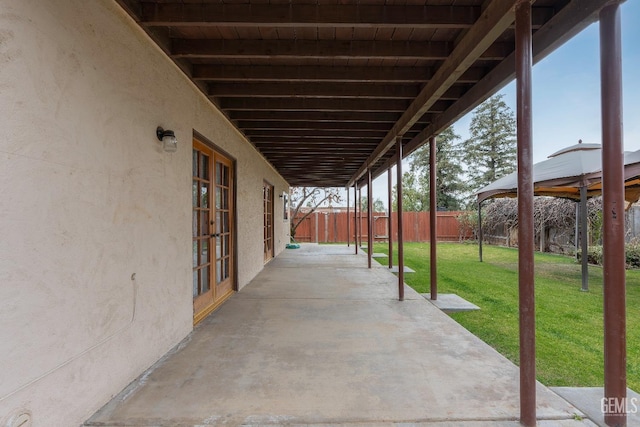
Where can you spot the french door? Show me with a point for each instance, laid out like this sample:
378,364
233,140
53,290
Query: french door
213,239
267,198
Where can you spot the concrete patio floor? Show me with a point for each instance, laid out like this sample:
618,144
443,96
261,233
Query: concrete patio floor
319,339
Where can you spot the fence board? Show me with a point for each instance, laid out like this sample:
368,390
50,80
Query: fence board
331,227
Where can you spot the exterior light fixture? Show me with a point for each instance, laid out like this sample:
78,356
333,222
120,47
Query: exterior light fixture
168,138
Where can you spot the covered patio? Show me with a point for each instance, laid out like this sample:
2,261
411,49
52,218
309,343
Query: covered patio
263,95
319,339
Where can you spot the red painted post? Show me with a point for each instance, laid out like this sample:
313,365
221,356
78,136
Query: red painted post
369,218
433,222
355,216
348,221
360,216
400,231
524,62
615,346
390,201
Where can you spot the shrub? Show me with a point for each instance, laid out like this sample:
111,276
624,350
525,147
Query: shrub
632,252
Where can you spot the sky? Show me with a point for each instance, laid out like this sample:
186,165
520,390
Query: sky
566,94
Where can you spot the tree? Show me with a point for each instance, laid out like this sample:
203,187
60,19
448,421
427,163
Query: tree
450,185
378,205
305,200
490,152
414,194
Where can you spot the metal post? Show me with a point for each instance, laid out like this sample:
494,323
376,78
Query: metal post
433,211
326,228
526,241
348,221
390,200
615,348
400,233
360,217
355,216
577,233
584,239
369,218
480,236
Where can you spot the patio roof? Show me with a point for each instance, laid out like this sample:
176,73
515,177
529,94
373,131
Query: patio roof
323,88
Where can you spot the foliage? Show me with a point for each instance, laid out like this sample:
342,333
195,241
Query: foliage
305,200
415,197
632,254
569,326
448,171
490,152
501,215
378,205
468,221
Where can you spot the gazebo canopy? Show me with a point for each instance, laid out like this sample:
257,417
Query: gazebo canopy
565,172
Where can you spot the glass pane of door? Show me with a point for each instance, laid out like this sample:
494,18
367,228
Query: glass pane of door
201,227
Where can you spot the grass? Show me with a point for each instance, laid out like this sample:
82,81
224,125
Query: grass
569,325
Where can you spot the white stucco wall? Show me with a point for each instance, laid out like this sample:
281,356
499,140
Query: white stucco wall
95,219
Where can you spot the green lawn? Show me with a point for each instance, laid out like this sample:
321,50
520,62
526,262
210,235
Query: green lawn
568,321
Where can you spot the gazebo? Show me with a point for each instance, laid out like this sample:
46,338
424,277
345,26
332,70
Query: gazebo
574,173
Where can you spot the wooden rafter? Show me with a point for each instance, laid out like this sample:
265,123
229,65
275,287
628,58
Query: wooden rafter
276,73
316,15
323,49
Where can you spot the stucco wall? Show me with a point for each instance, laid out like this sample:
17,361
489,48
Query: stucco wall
95,219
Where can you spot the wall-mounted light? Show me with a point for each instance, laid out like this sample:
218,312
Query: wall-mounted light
168,138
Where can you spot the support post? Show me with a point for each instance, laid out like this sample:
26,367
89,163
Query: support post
526,241
480,236
615,348
576,240
390,201
433,211
348,221
355,216
584,239
369,218
316,215
360,217
400,231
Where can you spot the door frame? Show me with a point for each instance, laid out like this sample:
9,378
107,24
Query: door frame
234,216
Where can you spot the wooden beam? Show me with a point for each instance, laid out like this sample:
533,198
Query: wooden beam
285,138
313,133
317,90
323,49
311,104
495,19
321,116
315,16
310,73
275,73
307,15
302,125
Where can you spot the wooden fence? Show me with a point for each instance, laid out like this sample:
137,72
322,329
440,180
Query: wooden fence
331,227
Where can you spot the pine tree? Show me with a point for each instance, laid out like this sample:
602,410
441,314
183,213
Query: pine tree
448,170
490,152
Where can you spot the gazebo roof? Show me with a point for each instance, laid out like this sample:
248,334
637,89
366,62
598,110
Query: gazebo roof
565,171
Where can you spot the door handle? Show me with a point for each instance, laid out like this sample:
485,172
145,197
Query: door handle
214,235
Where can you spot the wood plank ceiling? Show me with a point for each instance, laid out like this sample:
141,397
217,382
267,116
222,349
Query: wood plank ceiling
323,88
